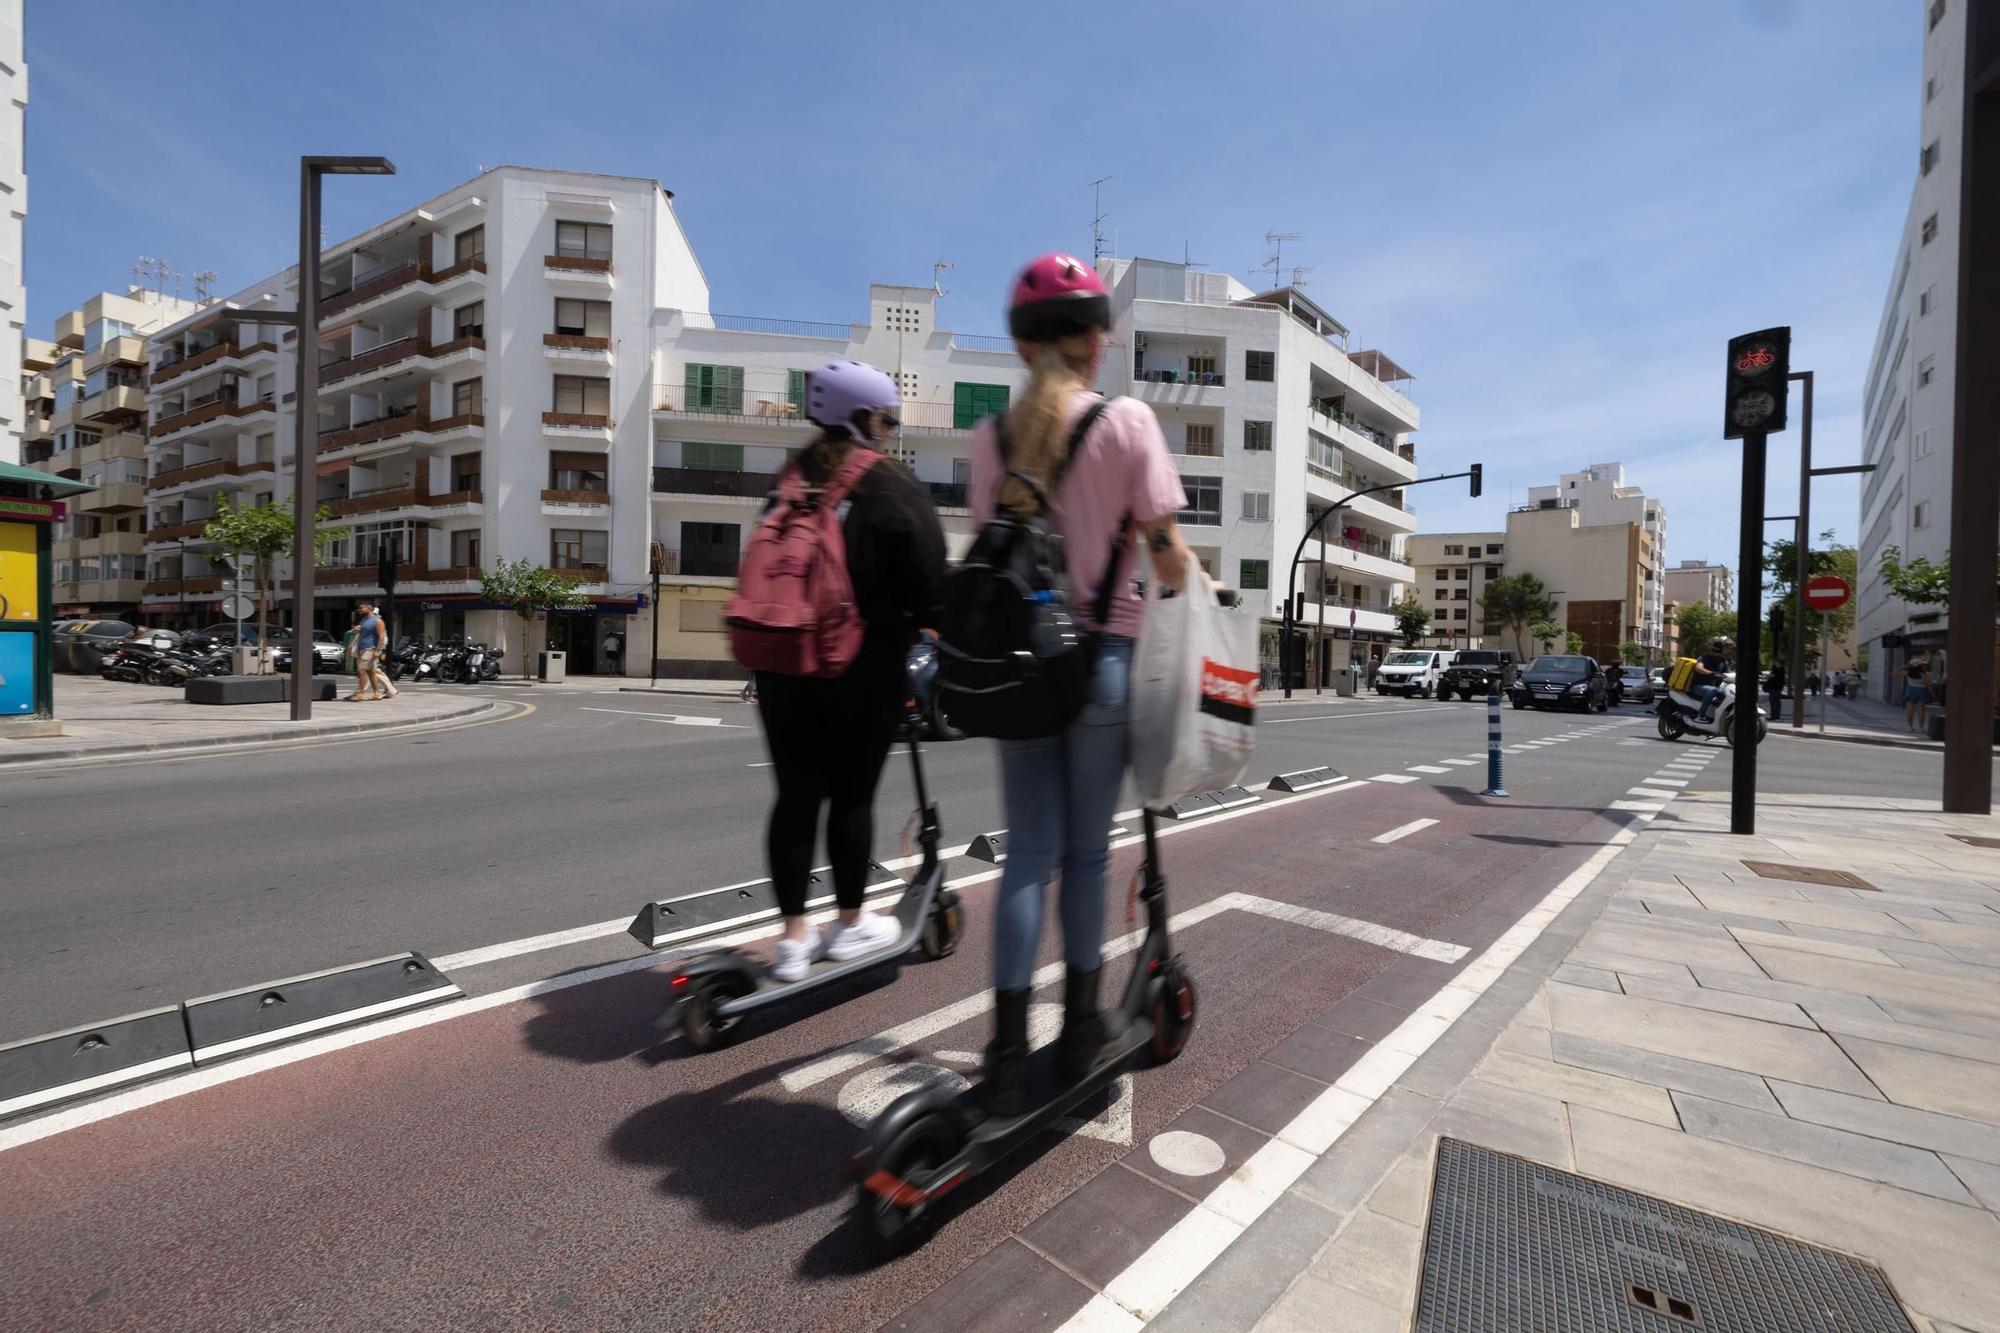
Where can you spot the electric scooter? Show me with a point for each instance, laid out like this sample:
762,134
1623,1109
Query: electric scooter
709,996
929,1142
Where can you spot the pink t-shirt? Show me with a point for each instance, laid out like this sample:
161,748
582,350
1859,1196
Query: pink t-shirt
1122,467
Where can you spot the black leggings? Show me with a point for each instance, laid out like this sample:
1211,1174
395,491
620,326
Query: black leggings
828,740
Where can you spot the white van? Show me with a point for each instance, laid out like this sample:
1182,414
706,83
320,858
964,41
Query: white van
1412,671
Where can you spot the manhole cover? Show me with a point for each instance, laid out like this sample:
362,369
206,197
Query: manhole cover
1972,840
1843,879
1516,1246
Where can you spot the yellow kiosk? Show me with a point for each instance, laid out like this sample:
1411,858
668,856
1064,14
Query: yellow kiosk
31,504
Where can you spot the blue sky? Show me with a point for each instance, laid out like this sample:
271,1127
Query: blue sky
1553,213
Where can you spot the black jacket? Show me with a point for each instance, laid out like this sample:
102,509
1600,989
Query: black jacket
895,550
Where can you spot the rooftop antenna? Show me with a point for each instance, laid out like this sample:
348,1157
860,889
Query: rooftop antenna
204,285
938,271
1187,261
1299,272
1276,263
1097,218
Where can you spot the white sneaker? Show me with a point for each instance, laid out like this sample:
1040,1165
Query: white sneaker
794,957
869,933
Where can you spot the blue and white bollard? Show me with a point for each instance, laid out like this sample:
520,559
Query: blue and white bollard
1493,785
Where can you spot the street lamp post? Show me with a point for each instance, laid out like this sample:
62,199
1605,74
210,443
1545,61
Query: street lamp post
305,410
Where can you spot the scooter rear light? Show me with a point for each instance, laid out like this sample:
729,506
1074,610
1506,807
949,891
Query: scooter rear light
680,981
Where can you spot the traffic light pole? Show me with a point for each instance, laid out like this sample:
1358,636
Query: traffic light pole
1802,550
1749,600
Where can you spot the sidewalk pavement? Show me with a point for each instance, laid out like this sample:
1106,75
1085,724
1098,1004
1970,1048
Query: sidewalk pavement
1867,721
1819,1059
104,719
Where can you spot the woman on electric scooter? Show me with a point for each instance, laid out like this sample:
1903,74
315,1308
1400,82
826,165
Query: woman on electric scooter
1060,791
828,738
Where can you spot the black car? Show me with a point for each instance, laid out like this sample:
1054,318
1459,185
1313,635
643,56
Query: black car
1477,673
1561,682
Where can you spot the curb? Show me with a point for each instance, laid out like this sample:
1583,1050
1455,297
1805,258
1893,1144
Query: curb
1890,741
689,693
251,738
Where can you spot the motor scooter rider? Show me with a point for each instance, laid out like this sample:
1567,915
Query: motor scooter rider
1709,669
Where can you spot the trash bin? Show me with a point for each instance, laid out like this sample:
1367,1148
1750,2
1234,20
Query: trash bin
551,666
1345,681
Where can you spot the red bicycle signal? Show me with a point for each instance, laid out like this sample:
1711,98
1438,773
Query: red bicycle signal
1756,360
1827,592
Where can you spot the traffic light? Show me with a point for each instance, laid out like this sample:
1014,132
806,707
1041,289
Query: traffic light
1778,629
1478,478
1754,399
1298,608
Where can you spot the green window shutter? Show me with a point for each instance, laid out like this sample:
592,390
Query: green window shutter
691,395
996,399
795,391
730,386
962,414
972,403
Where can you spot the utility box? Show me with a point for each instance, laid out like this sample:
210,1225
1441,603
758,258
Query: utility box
551,666
1345,681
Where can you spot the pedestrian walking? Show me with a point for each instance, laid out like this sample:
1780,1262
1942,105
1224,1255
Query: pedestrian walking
828,736
370,637
1059,791
1774,685
1916,692
1812,683
1374,666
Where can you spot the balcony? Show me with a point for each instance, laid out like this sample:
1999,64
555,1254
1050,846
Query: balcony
169,371
949,494
407,275
374,501
375,358
573,347
702,481
169,478
1369,559
1184,390
584,573
592,269
116,404
175,532
1367,445
183,587
595,426
575,502
702,560
113,497
126,348
1206,379
769,408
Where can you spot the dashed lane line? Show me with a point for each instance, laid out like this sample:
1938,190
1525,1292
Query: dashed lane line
1402,831
1427,768
1398,778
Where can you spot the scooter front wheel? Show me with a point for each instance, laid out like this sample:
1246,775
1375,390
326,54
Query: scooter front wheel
1175,1002
944,927
700,1024
893,1197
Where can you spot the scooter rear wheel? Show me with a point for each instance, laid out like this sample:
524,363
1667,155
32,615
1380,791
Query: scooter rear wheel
1175,1002
700,1024
944,927
889,1199
1672,728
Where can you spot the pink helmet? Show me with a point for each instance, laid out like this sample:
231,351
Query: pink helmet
1055,296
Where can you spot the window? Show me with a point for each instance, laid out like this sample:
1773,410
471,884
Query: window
468,397
465,548
1201,440
465,472
713,388
584,240
267,448
1931,88
795,391
1928,158
707,457
1920,443
1257,506
973,403
1493,571
1257,436
583,319
1253,574
1458,613
961,471
469,244
1260,366
1460,595
365,545
1201,363
1930,229
1443,575
578,548
1926,371
1937,12
590,396
1204,501
710,549
1927,300
1920,517
576,472
1493,550
1472,552
102,331
469,321
1463,573
1454,550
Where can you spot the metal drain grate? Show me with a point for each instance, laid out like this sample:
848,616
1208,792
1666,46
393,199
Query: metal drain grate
1840,879
1516,1247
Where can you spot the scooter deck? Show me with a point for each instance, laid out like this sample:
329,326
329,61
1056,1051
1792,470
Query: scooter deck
991,1135
910,916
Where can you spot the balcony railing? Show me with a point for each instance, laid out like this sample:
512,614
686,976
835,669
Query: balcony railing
402,275
370,432
576,497
773,406
577,420
158,587
575,342
795,328
373,501
583,573
168,371
578,263
387,354
949,494
208,410
703,481
215,467
171,532
703,560
1201,378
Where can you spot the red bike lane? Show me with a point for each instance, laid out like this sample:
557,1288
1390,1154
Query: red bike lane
556,1163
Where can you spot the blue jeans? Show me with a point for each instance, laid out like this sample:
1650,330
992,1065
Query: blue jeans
1060,793
1707,695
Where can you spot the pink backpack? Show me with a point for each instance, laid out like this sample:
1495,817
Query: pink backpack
794,612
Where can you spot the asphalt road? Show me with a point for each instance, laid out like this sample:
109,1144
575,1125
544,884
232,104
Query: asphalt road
134,884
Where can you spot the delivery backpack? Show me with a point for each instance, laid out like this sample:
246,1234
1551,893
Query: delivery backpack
1012,663
793,612
1682,676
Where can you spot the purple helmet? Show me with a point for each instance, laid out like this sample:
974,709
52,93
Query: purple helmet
839,389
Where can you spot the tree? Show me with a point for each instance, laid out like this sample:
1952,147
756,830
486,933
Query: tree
1573,642
1919,582
1412,619
1545,633
1781,563
1516,601
530,590
1632,653
264,532
1699,624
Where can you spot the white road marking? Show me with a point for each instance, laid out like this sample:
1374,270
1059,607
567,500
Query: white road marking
677,719
1459,763
1402,831
1185,1153
1394,777
1654,806
1665,782
1427,768
1341,717
1148,1284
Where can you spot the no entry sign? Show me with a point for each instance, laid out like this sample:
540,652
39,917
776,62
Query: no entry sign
1827,592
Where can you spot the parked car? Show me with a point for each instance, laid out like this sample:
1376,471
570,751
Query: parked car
79,646
1650,687
1412,671
1561,681
1477,673
326,652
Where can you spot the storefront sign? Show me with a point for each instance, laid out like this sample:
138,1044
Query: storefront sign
32,511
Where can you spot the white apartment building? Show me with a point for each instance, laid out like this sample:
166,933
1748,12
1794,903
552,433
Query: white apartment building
1271,419
1908,396
13,214
1600,496
1452,570
1693,581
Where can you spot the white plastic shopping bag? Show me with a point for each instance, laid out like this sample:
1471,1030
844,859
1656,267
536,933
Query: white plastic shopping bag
1194,693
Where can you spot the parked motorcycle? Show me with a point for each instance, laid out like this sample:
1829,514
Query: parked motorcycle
404,659
481,663
430,663
1680,715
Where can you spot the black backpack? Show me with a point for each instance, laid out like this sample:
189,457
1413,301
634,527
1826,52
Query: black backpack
1012,663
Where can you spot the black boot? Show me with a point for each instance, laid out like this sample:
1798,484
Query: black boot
1086,1028
1004,1091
